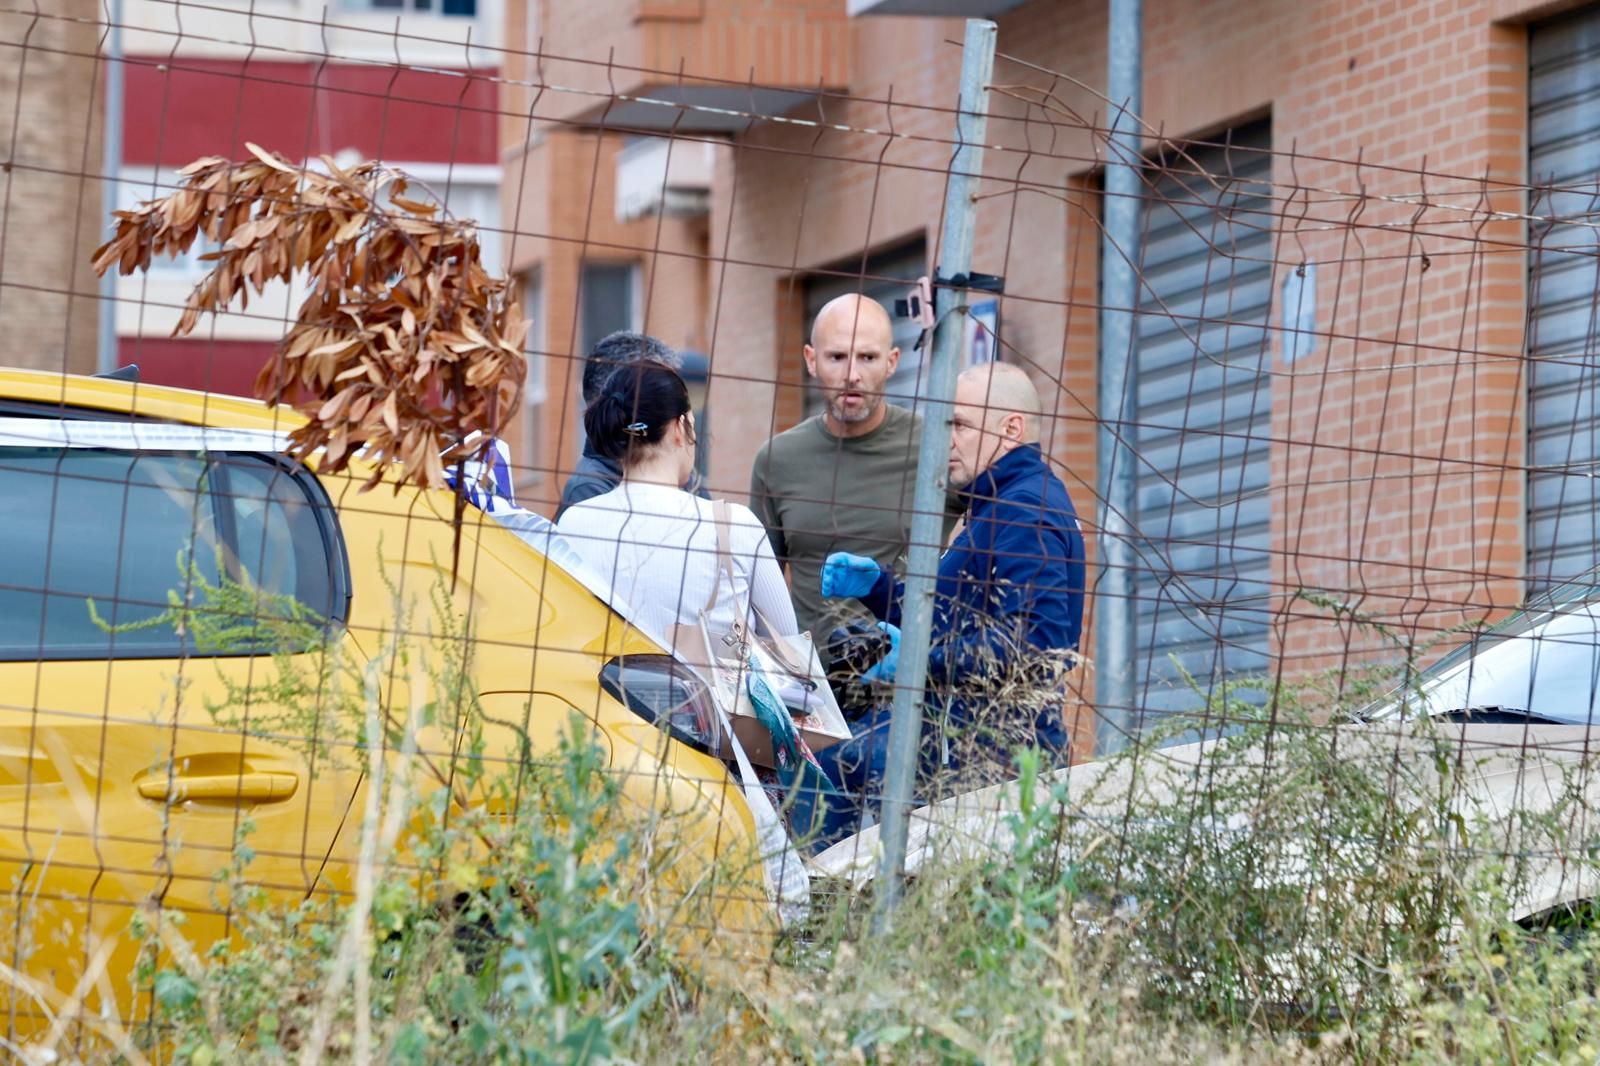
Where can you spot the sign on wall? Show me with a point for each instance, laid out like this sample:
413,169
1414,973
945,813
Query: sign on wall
1298,310
982,341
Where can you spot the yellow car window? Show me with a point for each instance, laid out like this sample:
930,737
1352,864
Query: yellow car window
100,547
270,527
91,543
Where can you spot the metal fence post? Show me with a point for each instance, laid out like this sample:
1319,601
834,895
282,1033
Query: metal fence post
927,520
1114,639
110,165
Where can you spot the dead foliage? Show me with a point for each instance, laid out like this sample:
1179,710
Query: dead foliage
404,346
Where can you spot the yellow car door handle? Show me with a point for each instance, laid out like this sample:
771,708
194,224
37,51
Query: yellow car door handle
247,787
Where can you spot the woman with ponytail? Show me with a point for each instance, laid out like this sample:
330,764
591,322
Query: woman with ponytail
658,545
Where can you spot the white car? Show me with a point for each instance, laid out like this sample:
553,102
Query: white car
1496,743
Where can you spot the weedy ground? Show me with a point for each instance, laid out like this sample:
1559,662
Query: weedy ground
1299,908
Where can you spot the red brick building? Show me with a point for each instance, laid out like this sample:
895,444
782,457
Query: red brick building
1389,443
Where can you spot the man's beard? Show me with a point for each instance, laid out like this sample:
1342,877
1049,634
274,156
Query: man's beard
868,408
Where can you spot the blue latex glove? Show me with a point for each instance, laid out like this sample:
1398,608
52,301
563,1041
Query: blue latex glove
845,575
884,669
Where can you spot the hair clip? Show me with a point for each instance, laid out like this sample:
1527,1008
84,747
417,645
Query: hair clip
638,429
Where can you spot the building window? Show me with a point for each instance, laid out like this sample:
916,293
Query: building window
608,300
696,373
464,8
885,277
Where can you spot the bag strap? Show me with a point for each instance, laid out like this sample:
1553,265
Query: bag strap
719,509
723,521
783,868
724,518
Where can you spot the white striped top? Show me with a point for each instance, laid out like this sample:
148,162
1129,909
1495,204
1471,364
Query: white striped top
657,545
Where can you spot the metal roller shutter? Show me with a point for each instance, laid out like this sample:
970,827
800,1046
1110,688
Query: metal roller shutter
1564,317
1202,404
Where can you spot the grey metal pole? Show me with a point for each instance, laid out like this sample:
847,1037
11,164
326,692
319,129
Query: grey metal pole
1114,643
927,519
110,164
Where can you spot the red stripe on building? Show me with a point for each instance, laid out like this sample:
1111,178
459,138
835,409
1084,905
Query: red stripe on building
177,112
207,365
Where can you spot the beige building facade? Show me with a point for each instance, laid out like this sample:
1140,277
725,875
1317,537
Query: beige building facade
50,195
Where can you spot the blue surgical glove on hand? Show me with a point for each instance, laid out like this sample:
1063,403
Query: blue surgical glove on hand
845,575
884,669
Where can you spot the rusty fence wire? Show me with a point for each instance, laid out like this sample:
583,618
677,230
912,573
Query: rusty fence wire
1361,415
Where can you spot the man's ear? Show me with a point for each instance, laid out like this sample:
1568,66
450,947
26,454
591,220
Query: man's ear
811,360
1015,426
892,360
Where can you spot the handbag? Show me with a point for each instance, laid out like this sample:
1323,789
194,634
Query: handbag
792,669
787,880
795,676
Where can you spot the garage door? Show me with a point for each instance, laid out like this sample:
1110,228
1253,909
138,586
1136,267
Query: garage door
1202,402
1564,318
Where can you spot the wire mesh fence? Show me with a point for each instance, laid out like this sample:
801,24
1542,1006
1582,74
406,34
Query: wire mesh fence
581,715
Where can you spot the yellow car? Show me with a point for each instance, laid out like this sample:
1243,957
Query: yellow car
118,786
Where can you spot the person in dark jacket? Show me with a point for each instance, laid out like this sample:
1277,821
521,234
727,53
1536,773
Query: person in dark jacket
594,474
1008,610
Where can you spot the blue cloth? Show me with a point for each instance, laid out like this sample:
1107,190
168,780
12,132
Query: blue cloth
1011,582
858,768
489,483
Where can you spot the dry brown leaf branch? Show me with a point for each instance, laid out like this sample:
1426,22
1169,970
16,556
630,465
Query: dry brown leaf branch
404,345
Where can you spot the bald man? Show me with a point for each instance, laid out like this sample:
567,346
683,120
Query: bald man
1009,599
842,480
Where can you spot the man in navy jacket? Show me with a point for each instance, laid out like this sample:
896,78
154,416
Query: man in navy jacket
1009,600
594,474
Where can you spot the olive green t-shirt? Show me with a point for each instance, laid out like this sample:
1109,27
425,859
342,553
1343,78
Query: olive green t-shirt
818,493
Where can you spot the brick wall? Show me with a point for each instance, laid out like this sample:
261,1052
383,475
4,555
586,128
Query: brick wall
559,200
629,46
52,218
1379,495
1397,443
796,198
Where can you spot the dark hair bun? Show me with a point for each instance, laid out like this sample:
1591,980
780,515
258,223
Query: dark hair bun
634,408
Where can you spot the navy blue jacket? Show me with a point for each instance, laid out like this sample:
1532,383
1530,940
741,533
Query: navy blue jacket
1013,579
